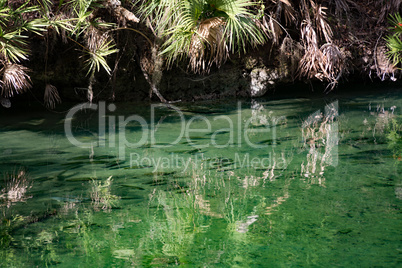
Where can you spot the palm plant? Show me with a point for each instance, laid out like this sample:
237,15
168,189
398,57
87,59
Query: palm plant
394,42
74,20
205,31
98,44
13,47
325,62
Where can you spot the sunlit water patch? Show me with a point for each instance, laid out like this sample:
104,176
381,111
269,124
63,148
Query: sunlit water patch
295,182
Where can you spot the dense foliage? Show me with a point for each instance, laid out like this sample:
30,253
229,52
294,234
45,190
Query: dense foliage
314,39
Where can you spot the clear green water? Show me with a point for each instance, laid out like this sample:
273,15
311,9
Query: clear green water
310,192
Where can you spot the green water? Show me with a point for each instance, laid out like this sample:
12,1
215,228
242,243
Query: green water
269,183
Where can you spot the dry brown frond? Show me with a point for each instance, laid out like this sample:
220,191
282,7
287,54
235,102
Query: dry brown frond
288,11
383,65
309,64
272,21
341,7
325,63
51,96
279,9
290,55
387,7
94,38
304,10
274,30
321,22
15,80
332,64
309,36
208,40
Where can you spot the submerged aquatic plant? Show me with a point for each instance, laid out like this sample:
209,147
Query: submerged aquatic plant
394,137
101,195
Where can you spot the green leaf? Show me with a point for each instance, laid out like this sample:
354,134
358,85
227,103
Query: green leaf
394,42
97,58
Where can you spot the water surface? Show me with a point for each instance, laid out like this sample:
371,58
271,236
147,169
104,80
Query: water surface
262,183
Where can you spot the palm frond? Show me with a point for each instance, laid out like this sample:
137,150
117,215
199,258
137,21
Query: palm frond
283,8
396,24
15,80
51,96
393,41
241,29
273,29
383,64
208,40
204,30
13,46
394,44
97,56
321,22
333,64
4,13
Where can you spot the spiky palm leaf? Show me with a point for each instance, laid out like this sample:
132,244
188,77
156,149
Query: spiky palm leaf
394,42
15,80
4,13
394,45
97,56
13,46
321,22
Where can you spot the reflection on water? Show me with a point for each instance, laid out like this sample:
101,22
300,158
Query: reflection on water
15,188
320,131
282,183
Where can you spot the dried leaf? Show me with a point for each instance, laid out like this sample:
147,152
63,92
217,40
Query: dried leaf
15,80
